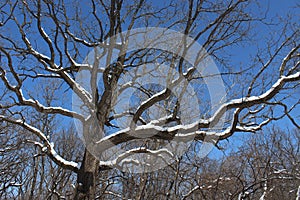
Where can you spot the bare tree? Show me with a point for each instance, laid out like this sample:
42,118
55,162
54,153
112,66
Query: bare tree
25,171
266,166
50,41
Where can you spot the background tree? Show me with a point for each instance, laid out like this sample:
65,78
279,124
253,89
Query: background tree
44,45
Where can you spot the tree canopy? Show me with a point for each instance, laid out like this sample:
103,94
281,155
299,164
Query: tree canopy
120,95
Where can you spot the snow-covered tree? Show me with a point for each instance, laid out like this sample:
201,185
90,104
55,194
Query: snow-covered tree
136,82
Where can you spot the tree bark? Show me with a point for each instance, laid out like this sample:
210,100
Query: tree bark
86,178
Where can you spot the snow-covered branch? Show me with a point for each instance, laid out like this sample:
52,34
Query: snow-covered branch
50,151
123,159
191,130
35,103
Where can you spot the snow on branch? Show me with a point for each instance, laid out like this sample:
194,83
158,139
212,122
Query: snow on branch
54,68
123,159
190,130
46,143
253,100
205,186
35,103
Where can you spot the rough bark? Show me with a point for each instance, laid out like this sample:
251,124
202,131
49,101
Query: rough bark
86,177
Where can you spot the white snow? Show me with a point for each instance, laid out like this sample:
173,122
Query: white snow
36,104
62,160
149,99
49,145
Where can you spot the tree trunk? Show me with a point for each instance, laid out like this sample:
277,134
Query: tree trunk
86,177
